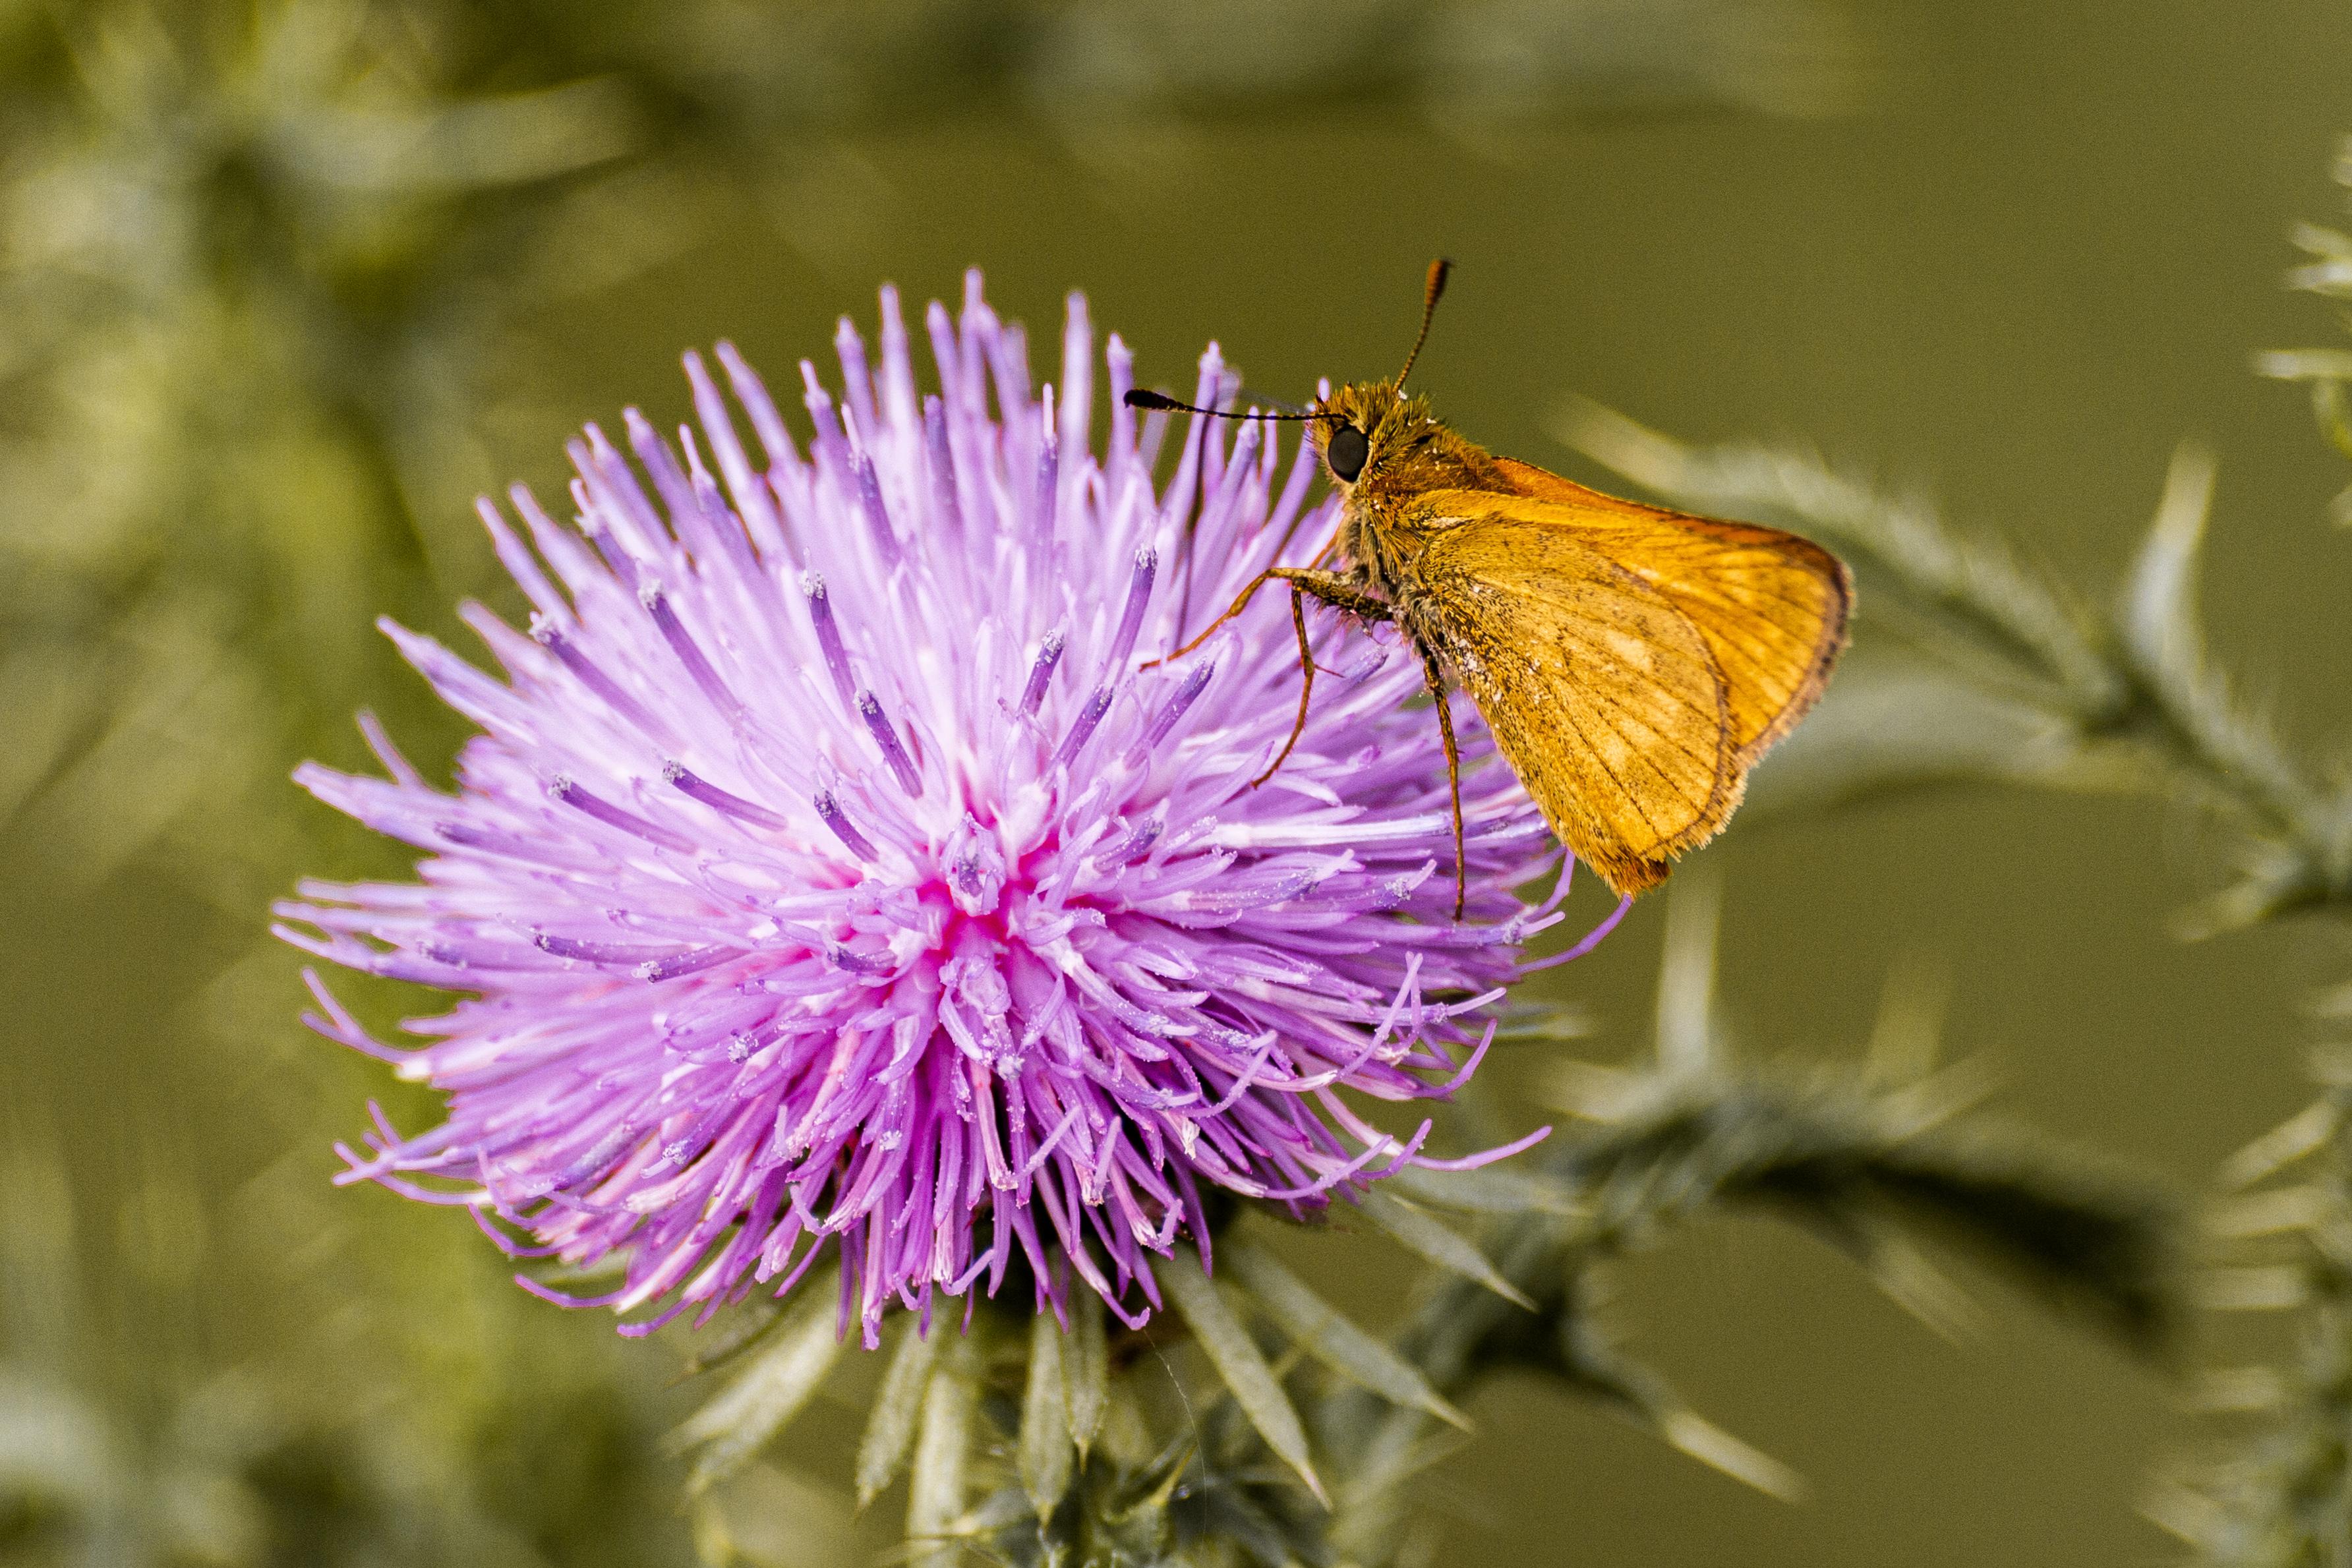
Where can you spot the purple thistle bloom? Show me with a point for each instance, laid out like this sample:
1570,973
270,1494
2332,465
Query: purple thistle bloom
828,870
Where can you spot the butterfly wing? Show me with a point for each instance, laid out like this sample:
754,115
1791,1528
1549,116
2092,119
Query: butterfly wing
1601,694
1772,607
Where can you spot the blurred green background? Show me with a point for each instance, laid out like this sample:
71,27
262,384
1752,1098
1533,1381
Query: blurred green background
284,284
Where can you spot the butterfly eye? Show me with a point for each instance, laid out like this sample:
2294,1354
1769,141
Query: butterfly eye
1346,453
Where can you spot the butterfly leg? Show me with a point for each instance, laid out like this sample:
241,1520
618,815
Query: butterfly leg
1306,684
1240,604
1341,594
1337,591
1453,771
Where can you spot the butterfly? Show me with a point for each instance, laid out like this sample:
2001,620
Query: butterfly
1631,662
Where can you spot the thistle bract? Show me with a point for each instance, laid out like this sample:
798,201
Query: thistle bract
831,872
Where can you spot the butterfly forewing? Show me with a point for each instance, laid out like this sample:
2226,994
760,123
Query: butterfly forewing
1602,695
1772,607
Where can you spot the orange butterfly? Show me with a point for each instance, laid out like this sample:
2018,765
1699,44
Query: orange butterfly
1633,663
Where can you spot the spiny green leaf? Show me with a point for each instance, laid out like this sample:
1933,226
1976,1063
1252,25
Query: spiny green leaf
1153,1480
1374,1495
2160,608
1545,1021
1086,1369
1485,1191
1884,730
1636,1394
1045,1419
755,1407
713,1540
1236,1357
2304,364
2302,1135
1000,1510
1709,1444
1420,1234
2111,1246
935,1495
740,1330
890,1429
1909,1277
1327,1334
2334,418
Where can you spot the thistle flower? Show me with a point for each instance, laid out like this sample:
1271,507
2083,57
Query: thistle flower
833,873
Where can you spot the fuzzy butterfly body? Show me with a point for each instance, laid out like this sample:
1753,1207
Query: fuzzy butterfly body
1633,662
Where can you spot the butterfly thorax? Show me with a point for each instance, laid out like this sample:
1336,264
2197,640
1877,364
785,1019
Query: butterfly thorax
1410,453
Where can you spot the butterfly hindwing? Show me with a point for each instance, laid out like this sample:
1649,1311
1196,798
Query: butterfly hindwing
1601,694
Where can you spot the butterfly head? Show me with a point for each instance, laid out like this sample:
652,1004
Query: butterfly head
1345,423
1382,447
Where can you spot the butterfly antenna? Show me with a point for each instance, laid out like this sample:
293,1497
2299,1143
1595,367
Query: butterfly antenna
1437,271
1138,398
